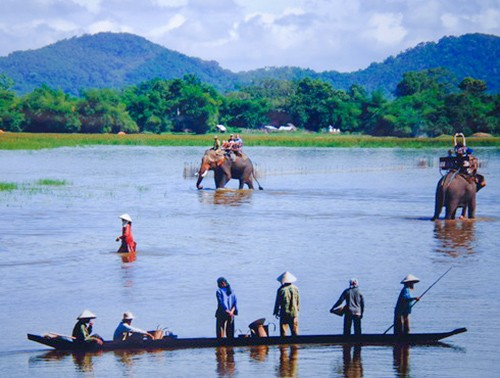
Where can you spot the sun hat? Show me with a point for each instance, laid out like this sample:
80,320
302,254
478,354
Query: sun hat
286,277
86,314
410,278
128,316
126,217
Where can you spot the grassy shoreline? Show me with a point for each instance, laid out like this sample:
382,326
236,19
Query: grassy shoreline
36,141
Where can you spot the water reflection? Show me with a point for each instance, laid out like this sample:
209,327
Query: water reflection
225,197
456,237
353,367
259,353
225,362
128,257
289,355
401,355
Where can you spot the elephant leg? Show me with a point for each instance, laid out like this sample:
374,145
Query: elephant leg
472,208
439,200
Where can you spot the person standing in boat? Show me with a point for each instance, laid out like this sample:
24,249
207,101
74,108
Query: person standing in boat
82,331
403,306
287,304
128,244
354,307
227,309
125,330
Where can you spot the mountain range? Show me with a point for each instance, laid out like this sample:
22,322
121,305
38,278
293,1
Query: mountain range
116,60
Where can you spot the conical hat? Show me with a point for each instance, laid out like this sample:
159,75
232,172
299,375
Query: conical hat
126,217
86,314
286,277
410,278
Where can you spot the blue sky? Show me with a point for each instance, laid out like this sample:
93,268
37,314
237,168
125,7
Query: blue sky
341,35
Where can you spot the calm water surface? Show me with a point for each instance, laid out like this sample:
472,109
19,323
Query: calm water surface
326,215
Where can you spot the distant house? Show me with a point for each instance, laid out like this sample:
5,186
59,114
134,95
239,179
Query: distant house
221,128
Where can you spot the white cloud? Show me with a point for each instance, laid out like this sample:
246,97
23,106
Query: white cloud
340,35
173,23
386,28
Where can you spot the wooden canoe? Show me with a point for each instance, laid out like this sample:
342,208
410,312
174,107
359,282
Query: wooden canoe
172,342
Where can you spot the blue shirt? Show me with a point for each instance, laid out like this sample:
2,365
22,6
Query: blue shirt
405,300
225,302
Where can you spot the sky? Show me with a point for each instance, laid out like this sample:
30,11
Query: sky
241,35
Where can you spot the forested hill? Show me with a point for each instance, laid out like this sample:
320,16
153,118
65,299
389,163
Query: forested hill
105,60
110,60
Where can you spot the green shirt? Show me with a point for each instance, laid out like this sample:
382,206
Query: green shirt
287,301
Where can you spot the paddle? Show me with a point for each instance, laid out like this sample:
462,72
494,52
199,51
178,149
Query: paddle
414,303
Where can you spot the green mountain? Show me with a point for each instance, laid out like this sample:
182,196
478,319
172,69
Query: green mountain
114,60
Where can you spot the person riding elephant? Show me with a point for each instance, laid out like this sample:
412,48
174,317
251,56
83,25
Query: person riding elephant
456,190
226,168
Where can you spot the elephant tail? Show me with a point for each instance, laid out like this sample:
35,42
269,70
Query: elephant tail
257,181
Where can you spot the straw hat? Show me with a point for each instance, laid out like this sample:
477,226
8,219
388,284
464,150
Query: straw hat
410,278
126,217
128,316
86,314
286,277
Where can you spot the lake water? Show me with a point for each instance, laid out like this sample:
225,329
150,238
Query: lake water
326,215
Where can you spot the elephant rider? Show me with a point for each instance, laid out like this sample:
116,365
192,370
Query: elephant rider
468,164
403,306
238,145
287,304
217,145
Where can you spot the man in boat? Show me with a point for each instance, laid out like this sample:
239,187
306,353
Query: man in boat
125,331
82,331
227,309
403,306
354,307
287,304
128,244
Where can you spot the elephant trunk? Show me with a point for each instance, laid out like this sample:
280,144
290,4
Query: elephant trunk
201,175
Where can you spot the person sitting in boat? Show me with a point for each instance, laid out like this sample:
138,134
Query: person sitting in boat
227,309
287,304
354,307
125,330
128,244
403,306
82,331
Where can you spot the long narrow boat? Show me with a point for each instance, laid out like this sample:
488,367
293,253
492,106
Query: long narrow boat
172,342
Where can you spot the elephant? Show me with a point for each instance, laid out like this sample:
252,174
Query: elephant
227,166
456,190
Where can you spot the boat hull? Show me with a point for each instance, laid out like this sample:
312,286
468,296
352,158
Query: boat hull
168,342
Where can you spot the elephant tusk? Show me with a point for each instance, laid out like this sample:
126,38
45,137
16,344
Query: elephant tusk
204,174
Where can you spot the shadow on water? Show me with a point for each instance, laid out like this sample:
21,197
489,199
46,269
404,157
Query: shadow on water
401,358
289,356
225,197
455,238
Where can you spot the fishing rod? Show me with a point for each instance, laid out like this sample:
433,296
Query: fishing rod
414,303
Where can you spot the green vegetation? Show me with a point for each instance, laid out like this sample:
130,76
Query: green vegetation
7,186
427,103
51,182
32,141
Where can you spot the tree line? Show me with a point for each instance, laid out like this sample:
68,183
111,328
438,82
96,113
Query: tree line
425,103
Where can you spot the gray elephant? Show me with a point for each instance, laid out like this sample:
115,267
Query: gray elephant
226,167
456,190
